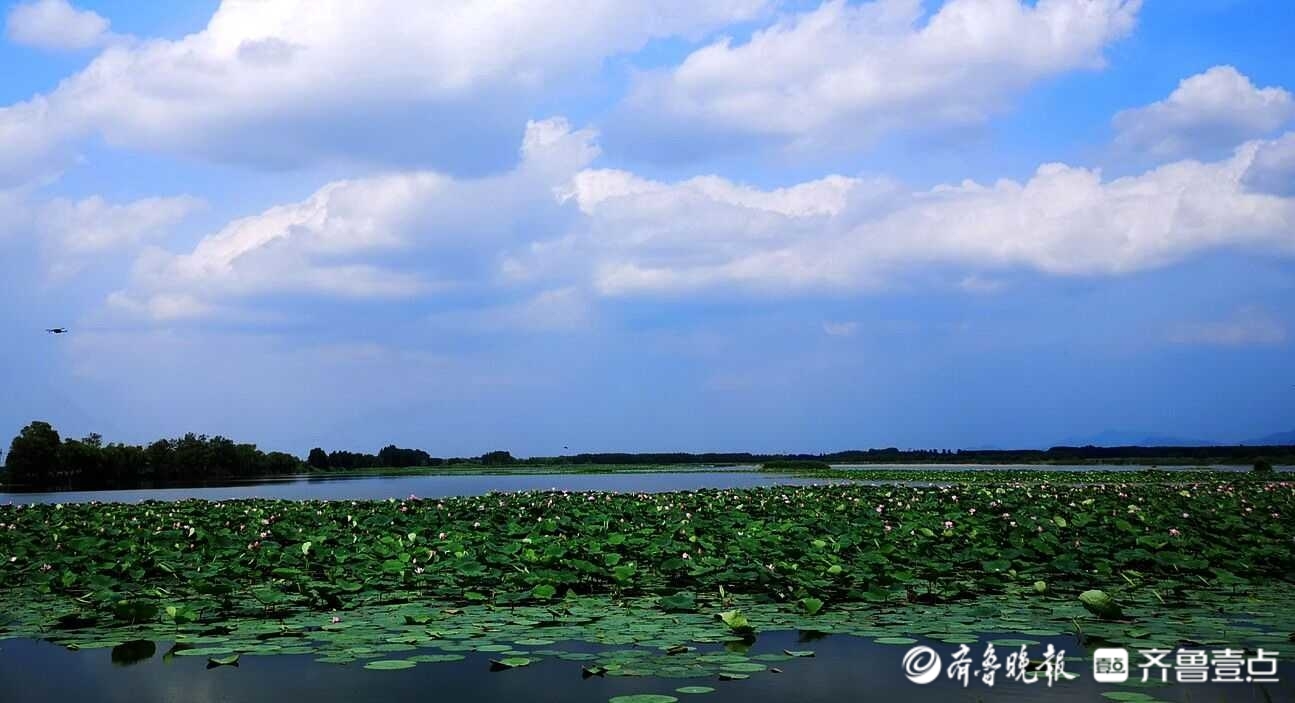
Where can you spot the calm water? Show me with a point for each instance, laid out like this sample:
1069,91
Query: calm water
844,670
383,487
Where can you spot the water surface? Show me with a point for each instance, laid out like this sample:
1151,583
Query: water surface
844,669
383,487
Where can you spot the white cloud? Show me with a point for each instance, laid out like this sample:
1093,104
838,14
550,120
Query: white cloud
558,310
980,284
55,25
1273,170
93,225
842,74
294,81
398,235
557,234
651,238
71,234
1247,326
840,329
1209,111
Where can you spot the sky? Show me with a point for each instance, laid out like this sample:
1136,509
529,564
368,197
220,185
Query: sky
648,225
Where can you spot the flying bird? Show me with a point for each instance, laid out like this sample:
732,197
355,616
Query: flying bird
57,330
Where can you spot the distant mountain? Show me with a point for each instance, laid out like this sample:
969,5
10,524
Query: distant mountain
1118,438
1278,438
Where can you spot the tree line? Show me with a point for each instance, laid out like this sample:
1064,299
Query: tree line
39,458
1240,455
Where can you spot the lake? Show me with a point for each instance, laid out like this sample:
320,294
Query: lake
843,668
382,487
137,663
437,486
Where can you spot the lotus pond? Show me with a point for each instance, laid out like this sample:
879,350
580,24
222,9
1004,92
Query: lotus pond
782,593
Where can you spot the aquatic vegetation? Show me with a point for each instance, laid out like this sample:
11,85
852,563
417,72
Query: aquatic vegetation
676,585
1101,605
964,475
820,545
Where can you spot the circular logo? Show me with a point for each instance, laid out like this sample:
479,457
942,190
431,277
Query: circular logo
921,665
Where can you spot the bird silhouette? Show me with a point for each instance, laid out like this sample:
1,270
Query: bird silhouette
57,330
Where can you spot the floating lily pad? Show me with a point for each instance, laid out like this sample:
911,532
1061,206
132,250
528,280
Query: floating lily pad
231,660
390,664
509,663
204,652
436,658
1010,642
744,667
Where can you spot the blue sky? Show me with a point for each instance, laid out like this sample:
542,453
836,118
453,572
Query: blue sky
654,225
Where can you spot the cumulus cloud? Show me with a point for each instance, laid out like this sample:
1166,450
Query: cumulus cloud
279,84
651,238
55,25
1248,326
391,236
72,234
1208,112
842,74
93,225
1273,170
557,233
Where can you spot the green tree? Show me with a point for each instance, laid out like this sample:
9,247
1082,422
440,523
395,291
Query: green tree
79,462
497,458
317,459
33,454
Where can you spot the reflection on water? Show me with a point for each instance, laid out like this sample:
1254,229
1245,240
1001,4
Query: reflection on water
326,487
383,487
844,669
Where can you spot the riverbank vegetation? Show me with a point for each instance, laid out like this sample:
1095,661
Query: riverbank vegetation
39,458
